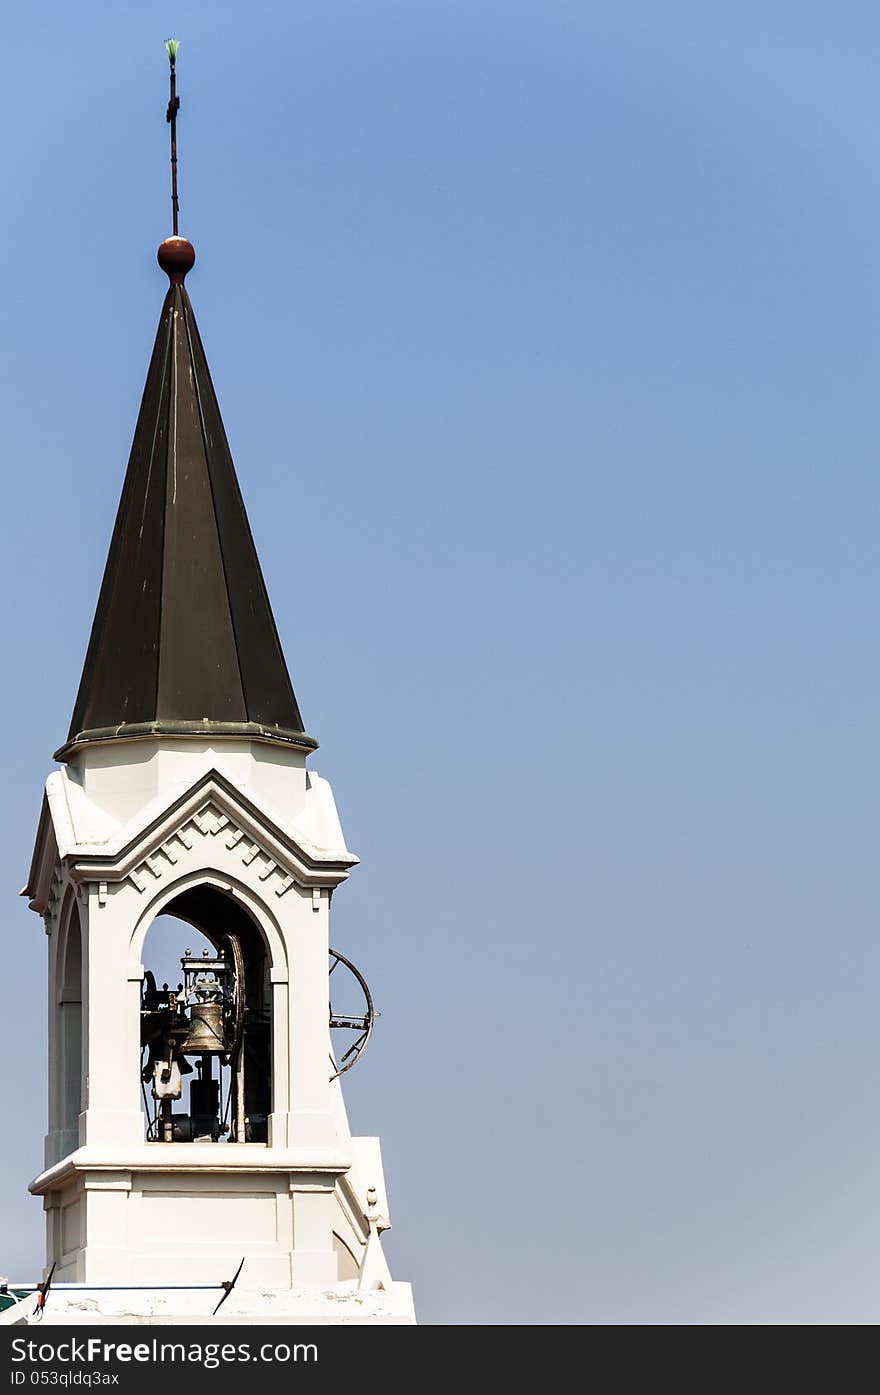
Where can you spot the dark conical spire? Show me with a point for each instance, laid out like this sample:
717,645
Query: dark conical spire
183,640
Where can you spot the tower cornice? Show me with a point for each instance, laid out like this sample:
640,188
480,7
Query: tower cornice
145,850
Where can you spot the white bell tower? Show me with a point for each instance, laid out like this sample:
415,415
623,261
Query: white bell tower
197,1123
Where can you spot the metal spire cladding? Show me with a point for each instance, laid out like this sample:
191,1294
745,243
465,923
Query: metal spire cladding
184,640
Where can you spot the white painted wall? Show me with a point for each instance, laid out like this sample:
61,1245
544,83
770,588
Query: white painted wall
134,823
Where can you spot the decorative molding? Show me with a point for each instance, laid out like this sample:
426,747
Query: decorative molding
209,822
211,809
54,898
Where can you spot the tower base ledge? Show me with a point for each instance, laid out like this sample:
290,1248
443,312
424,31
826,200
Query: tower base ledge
191,1157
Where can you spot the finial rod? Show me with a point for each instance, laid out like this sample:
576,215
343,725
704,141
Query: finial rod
176,256
171,47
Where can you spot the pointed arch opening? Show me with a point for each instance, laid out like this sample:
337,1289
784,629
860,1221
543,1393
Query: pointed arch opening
70,1033
206,1022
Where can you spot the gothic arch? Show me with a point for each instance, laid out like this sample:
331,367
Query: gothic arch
70,1079
216,905
232,887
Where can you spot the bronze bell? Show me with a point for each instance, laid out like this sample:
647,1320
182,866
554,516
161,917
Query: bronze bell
205,1029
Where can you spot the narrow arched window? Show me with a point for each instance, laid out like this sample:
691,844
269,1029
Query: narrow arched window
70,1034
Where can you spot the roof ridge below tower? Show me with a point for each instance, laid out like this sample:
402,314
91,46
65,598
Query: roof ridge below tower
184,642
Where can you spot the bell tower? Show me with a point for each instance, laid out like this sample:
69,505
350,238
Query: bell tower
196,1116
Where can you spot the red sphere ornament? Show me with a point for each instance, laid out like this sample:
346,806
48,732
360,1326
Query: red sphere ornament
176,256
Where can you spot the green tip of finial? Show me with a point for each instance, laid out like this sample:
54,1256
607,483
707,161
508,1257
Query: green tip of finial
171,47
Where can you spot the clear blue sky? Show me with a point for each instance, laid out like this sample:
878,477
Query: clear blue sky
546,340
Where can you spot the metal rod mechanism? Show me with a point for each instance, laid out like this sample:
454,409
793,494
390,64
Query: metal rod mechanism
42,1291
118,1288
228,1285
171,47
362,1023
